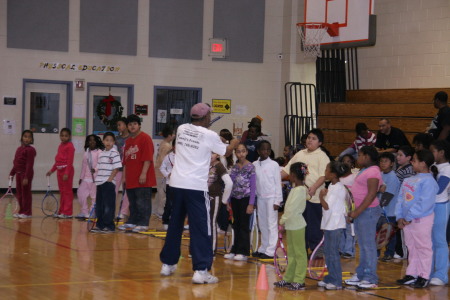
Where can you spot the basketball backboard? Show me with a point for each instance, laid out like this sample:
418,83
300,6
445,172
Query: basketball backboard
354,22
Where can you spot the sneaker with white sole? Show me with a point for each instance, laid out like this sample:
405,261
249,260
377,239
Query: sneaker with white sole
166,226
15,215
364,284
201,277
140,229
330,286
167,270
321,284
407,280
126,226
63,216
24,216
436,281
240,257
229,256
354,280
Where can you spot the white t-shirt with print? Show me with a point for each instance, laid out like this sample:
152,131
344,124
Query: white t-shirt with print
194,145
334,217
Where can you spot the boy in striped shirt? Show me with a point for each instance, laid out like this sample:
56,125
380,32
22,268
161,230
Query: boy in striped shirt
108,165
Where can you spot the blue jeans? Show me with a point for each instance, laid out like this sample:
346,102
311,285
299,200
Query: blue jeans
365,229
440,263
332,258
105,205
140,206
347,241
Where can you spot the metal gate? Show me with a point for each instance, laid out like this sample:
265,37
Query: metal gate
301,111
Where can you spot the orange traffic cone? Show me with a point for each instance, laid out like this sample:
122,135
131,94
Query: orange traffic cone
262,283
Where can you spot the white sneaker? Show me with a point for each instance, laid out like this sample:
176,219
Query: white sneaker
202,277
330,286
436,281
186,227
165,226
354,280
23,216
322,284
366,285
63,216
229,256
126,226
15,215
240,257
167,270
140,229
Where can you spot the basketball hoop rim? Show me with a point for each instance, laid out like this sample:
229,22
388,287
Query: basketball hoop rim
313,25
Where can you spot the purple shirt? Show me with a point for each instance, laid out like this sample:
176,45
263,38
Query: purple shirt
244,182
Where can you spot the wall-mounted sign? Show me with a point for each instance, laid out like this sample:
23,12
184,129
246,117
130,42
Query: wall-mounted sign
79,84
141,110
9,101
78,67
221,106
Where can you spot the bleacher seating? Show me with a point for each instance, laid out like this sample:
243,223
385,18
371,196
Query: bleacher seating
408,109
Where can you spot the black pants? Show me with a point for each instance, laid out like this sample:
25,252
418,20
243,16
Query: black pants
313,218
105,205
140,206
196,205
167,206
241,226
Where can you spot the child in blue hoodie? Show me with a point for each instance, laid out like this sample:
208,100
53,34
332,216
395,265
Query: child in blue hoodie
415,215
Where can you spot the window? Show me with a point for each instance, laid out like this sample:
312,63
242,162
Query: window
173,106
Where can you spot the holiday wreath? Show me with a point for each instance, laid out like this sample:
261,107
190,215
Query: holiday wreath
104,110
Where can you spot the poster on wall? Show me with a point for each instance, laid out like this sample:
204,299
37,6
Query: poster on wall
162,116
221,106
44,112
79,127
107,111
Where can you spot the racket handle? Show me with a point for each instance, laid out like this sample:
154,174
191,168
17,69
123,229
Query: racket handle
352,229
48,181
10,181
216,119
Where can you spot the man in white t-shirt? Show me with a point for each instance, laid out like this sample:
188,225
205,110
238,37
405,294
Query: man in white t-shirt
189,185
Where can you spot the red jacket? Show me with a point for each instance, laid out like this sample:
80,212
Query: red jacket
24,161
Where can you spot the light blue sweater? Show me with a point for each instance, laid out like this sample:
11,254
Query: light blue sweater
417,197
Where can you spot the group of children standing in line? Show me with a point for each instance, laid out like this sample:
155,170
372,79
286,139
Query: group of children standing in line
419,204
100,176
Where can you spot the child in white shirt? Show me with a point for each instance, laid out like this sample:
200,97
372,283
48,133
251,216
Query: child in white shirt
270,196
333,223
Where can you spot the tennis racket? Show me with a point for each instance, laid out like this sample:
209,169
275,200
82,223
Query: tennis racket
254,233
228,239
120,205
49,204
92,218
280,259
385,232
316,265
350,206
8,202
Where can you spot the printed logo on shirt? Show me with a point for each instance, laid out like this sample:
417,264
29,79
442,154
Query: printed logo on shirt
131,152
409,197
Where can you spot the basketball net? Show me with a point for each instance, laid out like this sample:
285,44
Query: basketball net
311,35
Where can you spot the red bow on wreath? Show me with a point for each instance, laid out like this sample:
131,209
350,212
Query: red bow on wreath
108,100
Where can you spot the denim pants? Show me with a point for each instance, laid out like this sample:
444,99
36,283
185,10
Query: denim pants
365,229
440,263
140,206
347,241
332,258
105,206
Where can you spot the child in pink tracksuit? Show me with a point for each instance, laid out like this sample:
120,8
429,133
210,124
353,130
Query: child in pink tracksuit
87,187
64,165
